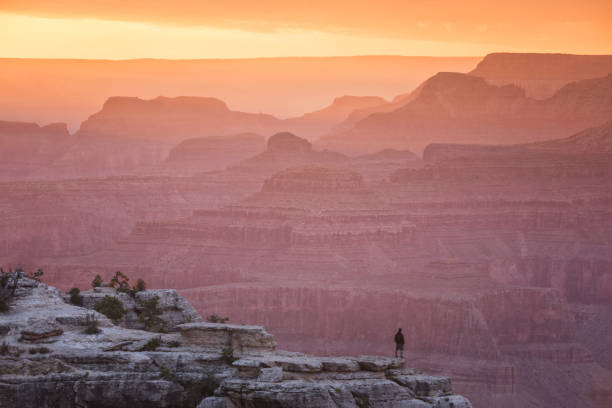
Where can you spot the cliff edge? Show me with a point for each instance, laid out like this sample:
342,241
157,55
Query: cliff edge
51,357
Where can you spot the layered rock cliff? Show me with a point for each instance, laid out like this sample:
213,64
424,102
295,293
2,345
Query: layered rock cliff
460,108
26,148
48,358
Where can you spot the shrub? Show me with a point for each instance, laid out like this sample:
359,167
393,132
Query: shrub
91,323
227,355
174,343
166,374
140,285
149,315
4,349
75,297
37,275
152,344
120,281
97,281
110,307
216,319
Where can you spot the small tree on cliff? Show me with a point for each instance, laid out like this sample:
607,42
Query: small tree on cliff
149,315
122,283
75,297
140,285
97,281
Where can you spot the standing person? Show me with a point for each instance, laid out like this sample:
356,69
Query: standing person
399,343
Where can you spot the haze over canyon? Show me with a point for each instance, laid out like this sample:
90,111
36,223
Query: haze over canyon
467,200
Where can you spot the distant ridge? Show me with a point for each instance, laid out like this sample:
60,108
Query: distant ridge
541,75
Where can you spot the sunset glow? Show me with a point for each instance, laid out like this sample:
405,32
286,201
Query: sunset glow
190,29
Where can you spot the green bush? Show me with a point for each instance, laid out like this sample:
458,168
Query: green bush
152,344
97,281
4,349
149,315
140,285
166,374
75,297
213,318
91,323
110,307
227,355
120,281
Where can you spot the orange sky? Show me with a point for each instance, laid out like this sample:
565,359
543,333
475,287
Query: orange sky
247,28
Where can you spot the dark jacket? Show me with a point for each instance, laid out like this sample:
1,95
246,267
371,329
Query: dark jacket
399,338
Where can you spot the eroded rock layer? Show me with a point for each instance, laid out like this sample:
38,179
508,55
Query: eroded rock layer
52,356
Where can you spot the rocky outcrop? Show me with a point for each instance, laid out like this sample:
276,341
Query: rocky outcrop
208,365
242,339
172,309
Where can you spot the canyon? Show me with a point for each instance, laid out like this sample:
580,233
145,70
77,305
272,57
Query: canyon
483,259
474,212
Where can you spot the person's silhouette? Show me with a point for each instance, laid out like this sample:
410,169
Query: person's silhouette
399,343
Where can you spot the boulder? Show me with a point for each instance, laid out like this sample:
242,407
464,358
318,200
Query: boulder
242,339
41,330
377,363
